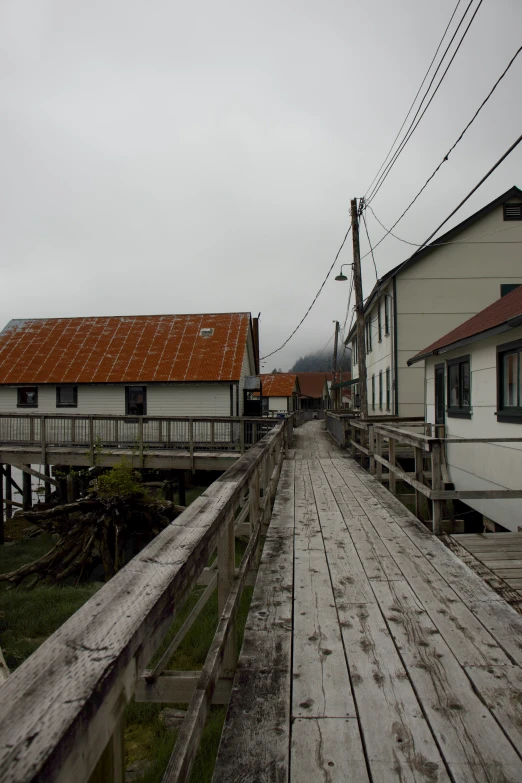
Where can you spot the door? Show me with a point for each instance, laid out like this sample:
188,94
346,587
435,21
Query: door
439,394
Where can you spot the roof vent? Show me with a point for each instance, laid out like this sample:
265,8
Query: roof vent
513,211
207,332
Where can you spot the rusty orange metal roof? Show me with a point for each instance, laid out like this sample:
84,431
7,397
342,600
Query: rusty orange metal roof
123,349
281,384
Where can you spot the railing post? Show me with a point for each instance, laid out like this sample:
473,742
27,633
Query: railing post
212,434
371,448
378,451
73,431
168,434
242,436
419,475
353,439
42,437
31,430
392,486
111,765
436,483
140,440
226,553
191,443
91,439
116,432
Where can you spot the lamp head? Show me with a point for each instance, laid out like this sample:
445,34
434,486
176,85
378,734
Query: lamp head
341,277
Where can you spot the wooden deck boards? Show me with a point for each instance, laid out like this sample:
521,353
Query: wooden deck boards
371,653
500,552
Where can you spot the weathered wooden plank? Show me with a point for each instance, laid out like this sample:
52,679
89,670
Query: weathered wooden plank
469,737
255,742
308,533
327,749
504,625
178,686
501,689
399,743
321,687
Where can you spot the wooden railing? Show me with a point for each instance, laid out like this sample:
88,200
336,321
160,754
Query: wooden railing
62,710
141,433
380,442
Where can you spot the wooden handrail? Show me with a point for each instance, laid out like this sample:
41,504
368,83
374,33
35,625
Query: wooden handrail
63,703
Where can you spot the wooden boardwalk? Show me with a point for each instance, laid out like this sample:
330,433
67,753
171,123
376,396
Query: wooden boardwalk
371,652
500,552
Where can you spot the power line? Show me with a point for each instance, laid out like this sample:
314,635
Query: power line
481,182
455,242
413,126
416,96
316,297
446,156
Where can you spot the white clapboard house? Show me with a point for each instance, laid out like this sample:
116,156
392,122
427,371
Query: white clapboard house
473,386
280,393
155,365
436,289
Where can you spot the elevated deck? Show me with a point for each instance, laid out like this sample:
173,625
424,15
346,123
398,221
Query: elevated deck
371,652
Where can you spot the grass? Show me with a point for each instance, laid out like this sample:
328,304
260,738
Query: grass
28,617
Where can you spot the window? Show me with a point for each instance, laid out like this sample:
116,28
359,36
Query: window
459,387
506,288
27,397
379,321
380,390
136,400
512,211
66,396
509,376
388,389
354,351
373,392
368,326
386,314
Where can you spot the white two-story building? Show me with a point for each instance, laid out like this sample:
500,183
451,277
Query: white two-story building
433,291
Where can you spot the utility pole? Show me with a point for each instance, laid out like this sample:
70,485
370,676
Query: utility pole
359,311
334,367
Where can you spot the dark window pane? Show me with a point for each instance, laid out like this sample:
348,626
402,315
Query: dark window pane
454,386
510,380
66,395
136,400
465,388
28,395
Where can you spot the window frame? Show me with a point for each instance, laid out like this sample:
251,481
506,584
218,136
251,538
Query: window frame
379,321
135,386
380,390
73,404
26,404
354,351
460,411
388,389
373,392
386,314
511,414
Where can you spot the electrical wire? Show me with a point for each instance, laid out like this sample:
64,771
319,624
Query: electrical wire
446,156
455,242
371,248
414,125
481,182
414,100
316,297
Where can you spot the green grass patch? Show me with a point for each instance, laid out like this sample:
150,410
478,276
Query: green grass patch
13,556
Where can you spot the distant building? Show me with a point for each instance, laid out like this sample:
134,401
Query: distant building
155,365
314,392
473,386
436,289
280,393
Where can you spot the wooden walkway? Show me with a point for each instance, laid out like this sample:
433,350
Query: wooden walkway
500,552
371,652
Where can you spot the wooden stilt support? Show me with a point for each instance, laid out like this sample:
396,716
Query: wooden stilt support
182,499
8,492
26,484
47,484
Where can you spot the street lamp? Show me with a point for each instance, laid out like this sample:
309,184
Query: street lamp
340,276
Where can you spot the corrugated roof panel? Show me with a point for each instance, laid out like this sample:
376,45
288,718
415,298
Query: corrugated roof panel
121,349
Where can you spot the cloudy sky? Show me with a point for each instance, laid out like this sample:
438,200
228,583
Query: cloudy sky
165,157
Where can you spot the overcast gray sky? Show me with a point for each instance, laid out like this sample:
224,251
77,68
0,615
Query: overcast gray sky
167,157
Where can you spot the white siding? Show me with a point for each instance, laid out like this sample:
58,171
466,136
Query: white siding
279,404
162,400
448,286
477,465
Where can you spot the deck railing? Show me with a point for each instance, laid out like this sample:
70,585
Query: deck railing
141,433
379,442
62,710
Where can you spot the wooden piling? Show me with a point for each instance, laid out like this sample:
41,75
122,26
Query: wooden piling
8,492
27,498
182,499
2,533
